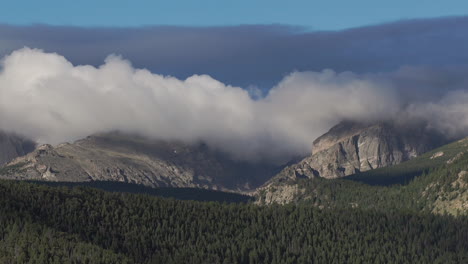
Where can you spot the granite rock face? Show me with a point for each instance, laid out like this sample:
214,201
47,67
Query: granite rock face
351,147
13,146
132,159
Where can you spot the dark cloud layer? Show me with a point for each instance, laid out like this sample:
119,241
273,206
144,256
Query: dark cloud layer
257,55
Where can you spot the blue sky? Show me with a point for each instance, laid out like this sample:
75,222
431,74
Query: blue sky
314,15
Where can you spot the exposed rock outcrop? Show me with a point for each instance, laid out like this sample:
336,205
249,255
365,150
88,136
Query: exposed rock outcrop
350,147
362,147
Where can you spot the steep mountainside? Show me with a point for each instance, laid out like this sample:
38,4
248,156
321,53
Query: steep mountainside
436,182
350,148
12,146
118,157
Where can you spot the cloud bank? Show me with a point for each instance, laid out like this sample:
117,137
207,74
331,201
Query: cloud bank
47,98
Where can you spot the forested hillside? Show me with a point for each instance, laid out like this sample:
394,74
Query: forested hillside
414,212
42,224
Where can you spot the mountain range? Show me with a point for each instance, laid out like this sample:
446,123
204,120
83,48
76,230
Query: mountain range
365,155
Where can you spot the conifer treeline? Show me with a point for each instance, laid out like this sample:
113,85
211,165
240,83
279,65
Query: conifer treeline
41,224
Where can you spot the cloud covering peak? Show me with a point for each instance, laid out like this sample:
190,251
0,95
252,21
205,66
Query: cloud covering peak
47,98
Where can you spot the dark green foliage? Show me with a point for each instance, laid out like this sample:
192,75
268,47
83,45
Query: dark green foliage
24,242
145,229
177,193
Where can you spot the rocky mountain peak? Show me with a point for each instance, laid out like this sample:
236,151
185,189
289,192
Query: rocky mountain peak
340,133
353,147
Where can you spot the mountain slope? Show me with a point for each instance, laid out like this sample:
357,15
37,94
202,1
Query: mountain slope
132,159
12,146
437,182
351,147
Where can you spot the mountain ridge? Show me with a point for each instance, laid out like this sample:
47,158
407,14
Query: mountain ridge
155,163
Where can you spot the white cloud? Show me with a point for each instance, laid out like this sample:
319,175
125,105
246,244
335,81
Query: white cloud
45,97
